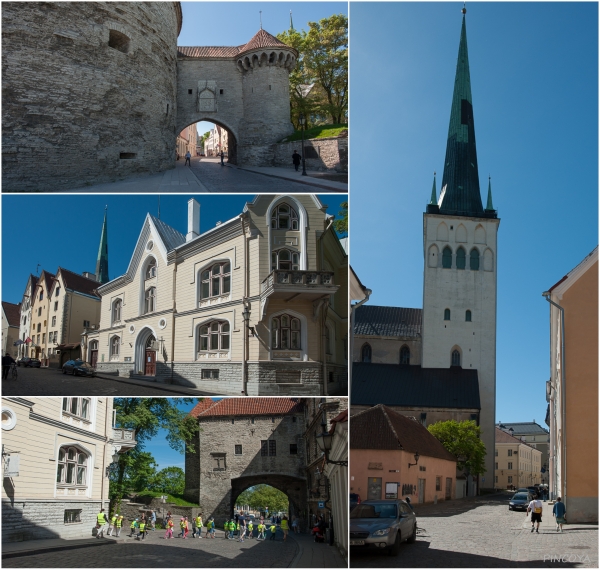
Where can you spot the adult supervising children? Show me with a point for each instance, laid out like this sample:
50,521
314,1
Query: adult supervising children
284,527
535,508
559,511
101,522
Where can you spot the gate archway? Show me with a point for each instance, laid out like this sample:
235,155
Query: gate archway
232,141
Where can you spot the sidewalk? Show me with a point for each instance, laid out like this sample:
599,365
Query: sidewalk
14,549
548,524
155,385
315,554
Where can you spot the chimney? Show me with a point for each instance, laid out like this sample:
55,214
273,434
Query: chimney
193,220
89,275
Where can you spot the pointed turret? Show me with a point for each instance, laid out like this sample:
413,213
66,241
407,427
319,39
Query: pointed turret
460,194
433,200
102,259
489,206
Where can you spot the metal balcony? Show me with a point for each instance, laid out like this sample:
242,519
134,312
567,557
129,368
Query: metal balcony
306,285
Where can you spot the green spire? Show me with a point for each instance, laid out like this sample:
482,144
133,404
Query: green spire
102,259
489,206
433,200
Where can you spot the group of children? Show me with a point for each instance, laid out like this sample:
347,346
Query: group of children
231,527
184,526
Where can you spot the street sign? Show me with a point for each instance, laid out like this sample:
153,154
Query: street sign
321,504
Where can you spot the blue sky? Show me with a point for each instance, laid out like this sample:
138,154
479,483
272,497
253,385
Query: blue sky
203,22
534,80
73,238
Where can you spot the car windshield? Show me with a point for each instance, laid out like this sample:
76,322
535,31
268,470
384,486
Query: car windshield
375,511
520,497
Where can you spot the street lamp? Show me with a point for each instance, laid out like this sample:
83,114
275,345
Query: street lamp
302,120
416,456
325,441
246,316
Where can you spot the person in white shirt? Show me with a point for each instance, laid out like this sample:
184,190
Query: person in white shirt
535,508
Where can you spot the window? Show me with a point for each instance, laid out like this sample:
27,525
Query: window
115,346
268,447
151,269
510,478
468,316
39,327
510,452
272,447
238,449
461,258
285,333
71,467
455,358
215,280
365,353
116,313
41,295
285,260
496,478
118,41
150,300
509,465
405,355
447,258
424,418
284,217
72,516
77,407
496,453
54,321
210,374
474,260
40,312
56,305
438,483
446,314
422,468
86,324
43,338
214,336
57,292
496,466
293,449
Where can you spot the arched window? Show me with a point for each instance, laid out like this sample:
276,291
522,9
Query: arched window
461,258
72,466
365,353
405,355
151,269
446,314
216,280
214,336
455,358
115,347
93,345
468,316
150,300
285,333
116,312
284,217
474,261
285,260
447,258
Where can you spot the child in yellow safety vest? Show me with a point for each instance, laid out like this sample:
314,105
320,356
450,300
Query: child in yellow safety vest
119,523
186,528
231,528
261,531
273,529
111,524
210,528
250,527
142,525
133,526
169,533
226,529
197,526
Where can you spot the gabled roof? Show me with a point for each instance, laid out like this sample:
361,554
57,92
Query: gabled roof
383,428
503,437
170,236
387,321
577,271
413,386
12,312
263,39
79,283
248,407
524,428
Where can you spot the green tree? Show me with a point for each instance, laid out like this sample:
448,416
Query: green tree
341,224
170,480
139,472
462,439
261,496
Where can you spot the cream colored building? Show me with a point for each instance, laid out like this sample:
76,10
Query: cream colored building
26,315
256,305
55,456
39,317
186,141
517,464
11,314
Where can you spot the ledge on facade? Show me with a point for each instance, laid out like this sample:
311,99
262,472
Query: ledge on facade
125,438
307,285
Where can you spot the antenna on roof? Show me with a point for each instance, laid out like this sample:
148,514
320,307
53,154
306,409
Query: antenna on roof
37,269
260,12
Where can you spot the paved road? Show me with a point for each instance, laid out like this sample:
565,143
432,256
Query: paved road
483,533
51,382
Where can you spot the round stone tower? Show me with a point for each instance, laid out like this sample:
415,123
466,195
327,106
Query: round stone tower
265,64
88,91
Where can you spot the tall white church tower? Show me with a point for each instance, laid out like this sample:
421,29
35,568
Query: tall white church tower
460,274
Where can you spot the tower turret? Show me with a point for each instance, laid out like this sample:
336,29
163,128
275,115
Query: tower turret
102,259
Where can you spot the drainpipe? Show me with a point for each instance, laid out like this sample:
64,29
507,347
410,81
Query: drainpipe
174,295
245,345
324,308
107,418
547,295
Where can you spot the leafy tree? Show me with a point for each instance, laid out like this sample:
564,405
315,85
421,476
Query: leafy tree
139,472
462,439
341,224
170,480
261,496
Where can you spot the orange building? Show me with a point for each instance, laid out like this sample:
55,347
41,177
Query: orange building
393,456
572,390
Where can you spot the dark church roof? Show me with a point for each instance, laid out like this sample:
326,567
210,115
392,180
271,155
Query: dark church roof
387,321
413,386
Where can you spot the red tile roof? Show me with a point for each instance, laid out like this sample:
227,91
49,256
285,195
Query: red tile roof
79,283
383,428
13,313
263,39
202,406
248,407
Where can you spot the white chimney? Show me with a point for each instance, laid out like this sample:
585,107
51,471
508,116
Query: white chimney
193,220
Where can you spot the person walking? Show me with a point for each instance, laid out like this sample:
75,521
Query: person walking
132,527
210,528
188,158
222,155
7,360
296,159
261,531
273,529
198,522
535,507
112,524
101,522
242,522
284,527
295,528
250,527
119,523
186,527
226,529
143,526
169,533
232,526
153,519
559,511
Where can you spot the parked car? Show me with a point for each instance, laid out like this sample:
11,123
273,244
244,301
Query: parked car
534,491
382,524
520,501
28,362
522,490
354,500
78,368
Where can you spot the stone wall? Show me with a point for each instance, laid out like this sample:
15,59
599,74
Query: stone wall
89,92
283,378
332,153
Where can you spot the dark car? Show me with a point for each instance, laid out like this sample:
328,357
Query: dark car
534,491
382,524
354,500
29,362
520,501
78,368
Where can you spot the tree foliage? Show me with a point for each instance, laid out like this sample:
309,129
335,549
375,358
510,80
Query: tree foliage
170,480
261,496
341,224
463,440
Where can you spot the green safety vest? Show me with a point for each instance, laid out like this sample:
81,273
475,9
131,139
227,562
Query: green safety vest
273,528
113,519
101,518
119,522
250,526
198,522
142,527
133,524
226,526
238,526
231,525
210,524
284,524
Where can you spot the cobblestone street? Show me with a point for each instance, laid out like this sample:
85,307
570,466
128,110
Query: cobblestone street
483,533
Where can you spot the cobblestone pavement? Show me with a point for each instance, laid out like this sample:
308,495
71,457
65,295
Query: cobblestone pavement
156,552
483,533
52,382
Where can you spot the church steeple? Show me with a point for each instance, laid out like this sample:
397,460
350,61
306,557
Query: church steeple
102,259
433,200
460,193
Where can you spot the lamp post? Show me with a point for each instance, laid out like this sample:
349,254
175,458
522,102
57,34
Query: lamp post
416,456
302,123
246,317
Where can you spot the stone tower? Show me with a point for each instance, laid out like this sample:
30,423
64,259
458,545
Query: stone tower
102,259
460,251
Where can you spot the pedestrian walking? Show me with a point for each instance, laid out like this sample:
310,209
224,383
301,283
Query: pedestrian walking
296,160
222,155
295,528
169,533
132,527
273,530
232,526
250,527
261,531
101,522
535,508
153,519
181,527
142,527
210,528
242,529
7,360
559,511
407,499
198,521
112,524
284,527
188,158
186,527
226,529
119,524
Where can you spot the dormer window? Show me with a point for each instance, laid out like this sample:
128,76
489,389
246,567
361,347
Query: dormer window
151,269
284,217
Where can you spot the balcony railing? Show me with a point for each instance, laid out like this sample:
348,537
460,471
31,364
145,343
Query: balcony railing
308,279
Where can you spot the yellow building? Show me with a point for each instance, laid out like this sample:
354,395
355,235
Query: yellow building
256,305
517,464
55,455
11,315
39,317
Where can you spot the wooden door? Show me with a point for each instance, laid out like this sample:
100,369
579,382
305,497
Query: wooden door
150,363
421,490
93,358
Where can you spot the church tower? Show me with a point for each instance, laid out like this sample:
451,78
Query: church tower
460,252
102,259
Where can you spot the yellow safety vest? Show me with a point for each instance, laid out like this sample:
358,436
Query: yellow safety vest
133,523
101,518
113,519
142,527
119,522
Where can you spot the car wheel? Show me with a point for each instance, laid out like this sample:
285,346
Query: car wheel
394,550
413,536
64,370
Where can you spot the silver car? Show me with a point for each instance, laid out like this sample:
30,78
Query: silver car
382,524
